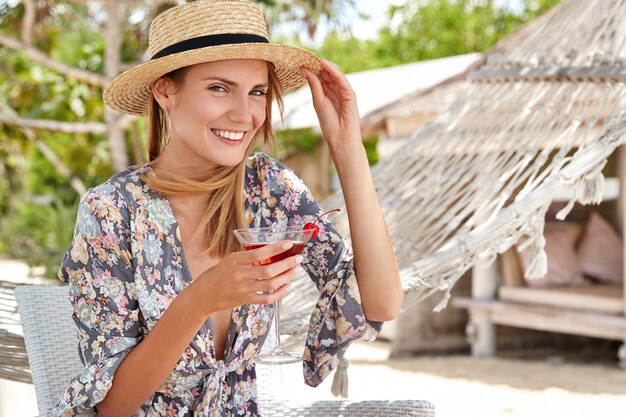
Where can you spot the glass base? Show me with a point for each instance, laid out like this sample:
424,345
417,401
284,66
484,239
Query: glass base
277,357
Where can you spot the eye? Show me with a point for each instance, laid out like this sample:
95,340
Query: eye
217,88
258,92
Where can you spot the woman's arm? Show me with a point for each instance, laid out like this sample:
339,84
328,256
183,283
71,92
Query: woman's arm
374,259
145,368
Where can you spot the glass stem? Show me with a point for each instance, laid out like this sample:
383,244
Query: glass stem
277,324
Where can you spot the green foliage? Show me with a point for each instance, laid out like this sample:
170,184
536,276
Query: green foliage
37,203
39,232
297,140
11,168
370,149
307,140
421,30
308,15
86,154
534,8
38,92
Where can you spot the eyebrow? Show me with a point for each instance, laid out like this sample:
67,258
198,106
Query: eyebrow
230,82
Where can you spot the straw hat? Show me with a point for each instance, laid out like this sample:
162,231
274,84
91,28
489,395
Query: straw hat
205,31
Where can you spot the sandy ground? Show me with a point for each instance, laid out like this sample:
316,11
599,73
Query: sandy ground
458,386
472,387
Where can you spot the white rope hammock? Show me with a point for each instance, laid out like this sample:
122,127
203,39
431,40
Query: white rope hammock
542,114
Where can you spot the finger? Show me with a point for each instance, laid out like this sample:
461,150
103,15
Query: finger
274,269
329,87
265,252
330,64
274,283
270,298
317,91
333,69
327,79
334,76
329,93
337,94
252,273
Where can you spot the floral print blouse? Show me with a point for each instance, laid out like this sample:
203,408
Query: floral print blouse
126,264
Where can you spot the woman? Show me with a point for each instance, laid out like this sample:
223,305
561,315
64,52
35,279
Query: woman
170,311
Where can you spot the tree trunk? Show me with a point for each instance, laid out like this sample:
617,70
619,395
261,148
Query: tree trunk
112,34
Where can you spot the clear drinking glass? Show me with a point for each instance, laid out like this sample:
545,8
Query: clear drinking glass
256,238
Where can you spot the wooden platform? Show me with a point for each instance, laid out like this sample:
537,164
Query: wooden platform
593,298
546,318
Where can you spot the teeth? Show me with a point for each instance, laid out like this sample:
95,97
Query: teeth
229,135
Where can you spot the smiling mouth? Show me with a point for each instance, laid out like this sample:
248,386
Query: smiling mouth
230,135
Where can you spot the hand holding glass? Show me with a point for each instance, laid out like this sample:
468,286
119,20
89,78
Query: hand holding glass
256,238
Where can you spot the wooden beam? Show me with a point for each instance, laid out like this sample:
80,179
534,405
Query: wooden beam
593,298
549,319
613,73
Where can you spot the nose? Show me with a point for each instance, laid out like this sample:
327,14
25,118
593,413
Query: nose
240,111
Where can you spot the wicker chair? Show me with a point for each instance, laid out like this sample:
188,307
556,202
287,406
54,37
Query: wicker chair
51,344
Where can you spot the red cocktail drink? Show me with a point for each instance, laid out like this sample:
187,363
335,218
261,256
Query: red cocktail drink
256,238
297,248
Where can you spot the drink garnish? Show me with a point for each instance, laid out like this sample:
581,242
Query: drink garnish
313,226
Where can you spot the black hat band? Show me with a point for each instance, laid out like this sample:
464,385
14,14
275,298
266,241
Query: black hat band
209,40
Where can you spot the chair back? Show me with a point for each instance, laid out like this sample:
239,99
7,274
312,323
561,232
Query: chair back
51,341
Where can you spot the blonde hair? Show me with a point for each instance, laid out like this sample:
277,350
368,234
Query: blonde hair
226,210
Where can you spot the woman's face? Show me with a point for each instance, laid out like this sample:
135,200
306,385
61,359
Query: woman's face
216,112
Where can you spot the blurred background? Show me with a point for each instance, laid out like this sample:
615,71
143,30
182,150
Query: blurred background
404,58
57,139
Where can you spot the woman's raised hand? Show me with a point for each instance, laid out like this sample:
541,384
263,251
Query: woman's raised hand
236,280
335,104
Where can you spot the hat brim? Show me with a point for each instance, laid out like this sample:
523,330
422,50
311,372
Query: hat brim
131,93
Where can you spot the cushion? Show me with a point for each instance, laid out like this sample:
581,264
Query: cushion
601,251
563,266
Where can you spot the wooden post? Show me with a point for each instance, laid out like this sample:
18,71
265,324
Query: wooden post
621,205
481,331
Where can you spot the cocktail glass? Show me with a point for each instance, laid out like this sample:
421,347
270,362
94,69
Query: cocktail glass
256,238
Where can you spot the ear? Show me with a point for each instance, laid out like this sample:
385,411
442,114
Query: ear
163,91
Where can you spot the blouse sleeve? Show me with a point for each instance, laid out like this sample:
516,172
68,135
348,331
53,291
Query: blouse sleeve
99,270
338,317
